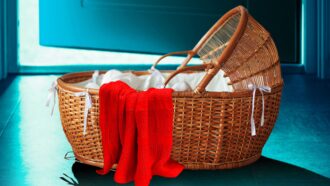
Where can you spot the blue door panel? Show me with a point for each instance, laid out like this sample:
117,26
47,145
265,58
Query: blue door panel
152,26
158,26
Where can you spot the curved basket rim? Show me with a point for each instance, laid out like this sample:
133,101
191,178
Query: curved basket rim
234,38
62,82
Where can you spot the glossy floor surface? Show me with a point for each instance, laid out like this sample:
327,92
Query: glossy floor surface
32,144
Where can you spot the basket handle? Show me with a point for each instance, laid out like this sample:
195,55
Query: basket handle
183,67
212,68
190,54
203,83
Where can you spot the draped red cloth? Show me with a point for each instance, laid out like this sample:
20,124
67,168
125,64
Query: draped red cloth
136,130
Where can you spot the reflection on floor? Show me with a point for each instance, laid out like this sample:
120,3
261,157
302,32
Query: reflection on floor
264,172
32,144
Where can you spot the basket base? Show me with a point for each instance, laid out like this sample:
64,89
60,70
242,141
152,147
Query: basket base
228,165
188,166
94,163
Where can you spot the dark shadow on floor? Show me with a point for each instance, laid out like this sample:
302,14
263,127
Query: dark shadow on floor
264,172
4,83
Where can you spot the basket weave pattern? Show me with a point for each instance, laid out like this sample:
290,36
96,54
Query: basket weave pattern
214,132
211,130
254,59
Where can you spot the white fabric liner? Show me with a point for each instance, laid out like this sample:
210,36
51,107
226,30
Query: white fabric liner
181,82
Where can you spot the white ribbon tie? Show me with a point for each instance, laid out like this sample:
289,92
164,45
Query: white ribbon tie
88,105
95,76
52,93
262,89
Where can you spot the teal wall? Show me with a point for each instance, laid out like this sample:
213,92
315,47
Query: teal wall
8,37
3,66
12,35
158,26
316,38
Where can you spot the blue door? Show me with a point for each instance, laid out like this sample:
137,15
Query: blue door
156,26
151,26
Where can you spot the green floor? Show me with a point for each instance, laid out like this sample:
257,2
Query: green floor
32,144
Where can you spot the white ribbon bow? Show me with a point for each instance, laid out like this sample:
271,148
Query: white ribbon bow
88,105
261,89
52,93
95,76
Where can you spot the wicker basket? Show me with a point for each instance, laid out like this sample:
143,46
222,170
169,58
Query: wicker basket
212,130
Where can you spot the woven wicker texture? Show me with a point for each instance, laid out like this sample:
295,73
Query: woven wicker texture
211,129
254,59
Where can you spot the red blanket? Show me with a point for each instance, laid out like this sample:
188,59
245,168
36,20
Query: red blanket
136,132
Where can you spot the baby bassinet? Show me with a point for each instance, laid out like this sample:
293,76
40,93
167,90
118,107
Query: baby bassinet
212,130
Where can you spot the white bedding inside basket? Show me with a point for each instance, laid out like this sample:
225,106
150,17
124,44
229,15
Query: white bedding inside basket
181,82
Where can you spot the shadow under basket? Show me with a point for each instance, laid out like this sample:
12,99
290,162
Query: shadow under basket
211,130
